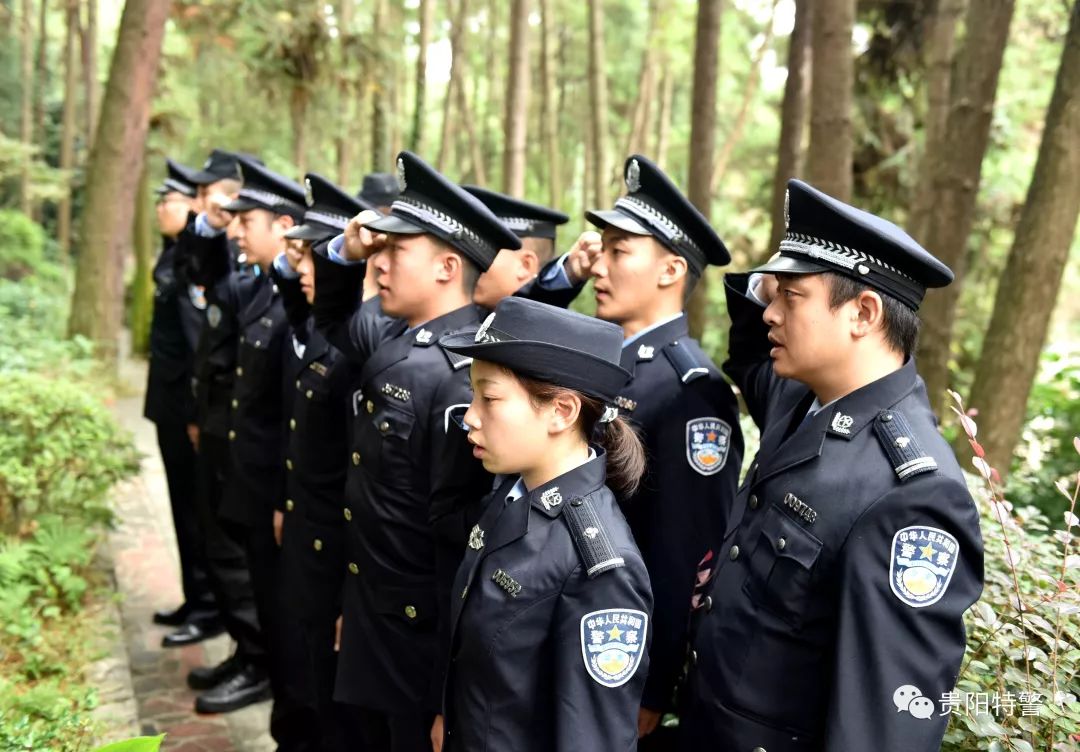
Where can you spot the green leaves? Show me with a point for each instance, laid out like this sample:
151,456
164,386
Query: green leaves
138,744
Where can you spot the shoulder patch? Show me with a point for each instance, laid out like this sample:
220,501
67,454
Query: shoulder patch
707,444
907,457
597,553
613,643
688,364
921,564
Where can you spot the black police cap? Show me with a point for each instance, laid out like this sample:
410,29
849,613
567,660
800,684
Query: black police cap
525,219
654,206
177,180
329,209
220,165
827,235
431,204
550,344
266,189
378,189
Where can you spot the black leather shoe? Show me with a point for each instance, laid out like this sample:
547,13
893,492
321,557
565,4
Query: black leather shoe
192,632
247,686
208,677
173,618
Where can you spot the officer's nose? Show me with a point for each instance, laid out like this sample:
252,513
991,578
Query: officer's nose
471,420
771,314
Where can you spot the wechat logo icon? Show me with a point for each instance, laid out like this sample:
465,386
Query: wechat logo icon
909,698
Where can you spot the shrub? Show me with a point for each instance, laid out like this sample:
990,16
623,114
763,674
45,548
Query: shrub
22,248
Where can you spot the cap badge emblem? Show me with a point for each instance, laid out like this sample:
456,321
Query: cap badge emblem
401,174
633,176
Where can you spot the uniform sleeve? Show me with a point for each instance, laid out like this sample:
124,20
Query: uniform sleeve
297,309
205,260
683,506
551,286
457,483
749,365
900,639
594,708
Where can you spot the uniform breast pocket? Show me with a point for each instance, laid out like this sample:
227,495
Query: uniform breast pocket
782,567
393,429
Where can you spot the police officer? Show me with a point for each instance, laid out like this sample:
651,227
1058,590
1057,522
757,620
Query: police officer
835,617
174,333
410,471
311,530
516,272
550,630
655,247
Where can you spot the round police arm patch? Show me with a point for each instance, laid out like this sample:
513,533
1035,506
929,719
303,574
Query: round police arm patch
707,443
921,564
613,643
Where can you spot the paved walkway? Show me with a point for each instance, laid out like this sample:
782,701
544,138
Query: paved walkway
143,547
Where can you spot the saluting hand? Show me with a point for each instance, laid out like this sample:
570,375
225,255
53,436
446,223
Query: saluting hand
582,254
360,242
216,216
294,252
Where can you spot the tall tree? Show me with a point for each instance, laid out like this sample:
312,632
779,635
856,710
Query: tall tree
113,172
663,120
1032,277
346,89
142,285
703,133
41,74
26,120
426,12
89,42
829,158
598,103
67,128
939,58
380,126
646,87
789,152
957,172
456,79
549,105
517,101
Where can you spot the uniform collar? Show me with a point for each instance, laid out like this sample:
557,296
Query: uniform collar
584,479
428,334
653,328
647,344
853,412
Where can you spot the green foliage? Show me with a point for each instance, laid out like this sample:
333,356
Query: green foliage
22,247
138,744
45,716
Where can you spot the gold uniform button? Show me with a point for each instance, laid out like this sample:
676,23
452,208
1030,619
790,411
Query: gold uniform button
410,611
734,553
298,383
292,424
356,458
232,435
317,545
235,404
348,514
258,343
384,426
289,505
370,406
288,464
353,568
759,749
309,394
753,501
781,544
243,339
239,370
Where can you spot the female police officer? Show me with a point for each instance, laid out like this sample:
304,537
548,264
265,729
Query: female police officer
551,607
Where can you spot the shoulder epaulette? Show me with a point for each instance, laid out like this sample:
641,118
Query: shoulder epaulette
598,555
688,364
906,455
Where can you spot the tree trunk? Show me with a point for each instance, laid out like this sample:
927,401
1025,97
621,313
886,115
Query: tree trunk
380,76
598,105
939,57
1032,278
67,128
347,94
41,85
26,129
456,79
829,159
426,13
752,81
646,87
89,65
492,103
957,171
142,285
113,172
517,101
789,152
298,107
663,122
703,134
549,105
476,154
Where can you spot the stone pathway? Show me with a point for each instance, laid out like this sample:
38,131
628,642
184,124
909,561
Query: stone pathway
143,549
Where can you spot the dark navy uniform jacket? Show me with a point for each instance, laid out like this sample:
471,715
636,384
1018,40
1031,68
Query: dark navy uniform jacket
551,618
174,335
411,477
688,420
835,617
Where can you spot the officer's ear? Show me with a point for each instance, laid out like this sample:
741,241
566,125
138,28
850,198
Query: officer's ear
867,313
565,410
283,222
448,265
672,268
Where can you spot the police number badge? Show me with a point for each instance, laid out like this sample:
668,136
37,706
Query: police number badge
923,562
612,644
707,443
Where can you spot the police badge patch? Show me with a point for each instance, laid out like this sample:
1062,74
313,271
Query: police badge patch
707,443
923,561
613,643
197,296
213,315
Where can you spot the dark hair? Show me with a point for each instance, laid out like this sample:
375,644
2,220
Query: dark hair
899,323
544,248
690,281
625,452
470,272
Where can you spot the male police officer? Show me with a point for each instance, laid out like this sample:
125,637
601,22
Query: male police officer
411,469
835,617
174,333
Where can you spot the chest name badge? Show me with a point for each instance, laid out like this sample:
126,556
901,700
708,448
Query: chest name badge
922,564
318,368
625,404
612,644
800,507
399,393
506,582
707,444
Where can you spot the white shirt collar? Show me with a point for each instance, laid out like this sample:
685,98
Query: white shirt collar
519,489
630,340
